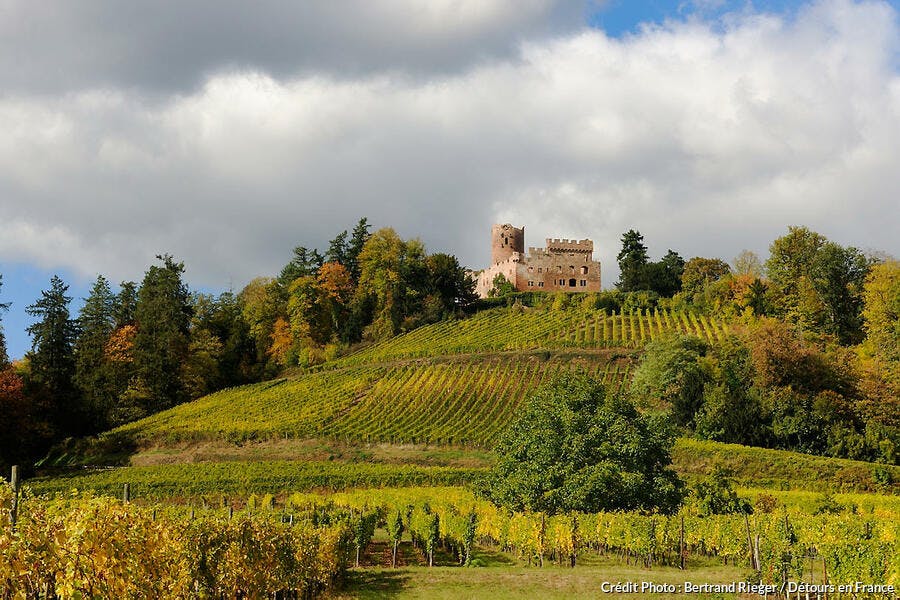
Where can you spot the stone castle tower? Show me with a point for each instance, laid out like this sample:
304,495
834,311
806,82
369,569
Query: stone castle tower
563,265
506,241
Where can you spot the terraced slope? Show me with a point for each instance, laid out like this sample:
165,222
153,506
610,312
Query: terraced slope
466,400
454,383
522,328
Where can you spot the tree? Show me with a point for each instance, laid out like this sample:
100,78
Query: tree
450,282
732,408
664,277
338,249
305,263
632,262
393,280
838,275
261,306
672,372
716,496
125,304
881,312
501,286
789,267
96,322
336,294
700,272
747,263
52,355
358,238
163,316
575,447
756,298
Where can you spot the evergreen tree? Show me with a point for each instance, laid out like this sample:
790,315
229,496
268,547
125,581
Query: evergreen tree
305,263
52,356
664,277
358,238
338,249
163,317
632,262
125,304
96,322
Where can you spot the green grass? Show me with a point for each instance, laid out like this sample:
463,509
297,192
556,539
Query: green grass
778,469
244,478
503,581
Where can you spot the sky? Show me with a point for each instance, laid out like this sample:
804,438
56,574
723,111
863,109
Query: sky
226,133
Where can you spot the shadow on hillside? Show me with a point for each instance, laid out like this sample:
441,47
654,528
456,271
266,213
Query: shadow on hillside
375,584
72,455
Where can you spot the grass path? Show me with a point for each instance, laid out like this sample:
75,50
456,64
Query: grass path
503,578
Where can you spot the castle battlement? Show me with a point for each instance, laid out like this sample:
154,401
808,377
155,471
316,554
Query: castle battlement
565,245
563,265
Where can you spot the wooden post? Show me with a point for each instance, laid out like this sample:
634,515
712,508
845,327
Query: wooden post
126,493
230,512
14,482
681,546
753,564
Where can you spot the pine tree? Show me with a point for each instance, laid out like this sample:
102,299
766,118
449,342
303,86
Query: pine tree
358,238
96,320
162,316
52,356
125,304
632,262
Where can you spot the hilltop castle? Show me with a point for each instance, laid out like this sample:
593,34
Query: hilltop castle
563,265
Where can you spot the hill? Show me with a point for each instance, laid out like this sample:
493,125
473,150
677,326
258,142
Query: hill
438,396
455,382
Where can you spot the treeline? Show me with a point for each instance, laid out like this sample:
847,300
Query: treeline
153,345
815,363
808,281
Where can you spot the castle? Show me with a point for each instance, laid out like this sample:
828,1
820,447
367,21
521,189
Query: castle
563,265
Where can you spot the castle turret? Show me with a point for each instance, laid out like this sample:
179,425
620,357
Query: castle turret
506,240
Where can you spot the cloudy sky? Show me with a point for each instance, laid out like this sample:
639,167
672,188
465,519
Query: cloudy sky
227,132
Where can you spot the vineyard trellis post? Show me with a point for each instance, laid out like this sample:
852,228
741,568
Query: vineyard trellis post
14,509
126,493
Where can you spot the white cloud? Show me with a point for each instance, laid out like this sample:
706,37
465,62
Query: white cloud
707,138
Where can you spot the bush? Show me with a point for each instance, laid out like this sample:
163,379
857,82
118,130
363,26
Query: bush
716,496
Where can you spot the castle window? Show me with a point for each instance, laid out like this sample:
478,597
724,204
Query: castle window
540,269
530,284
530,269
584,270
559,268
540,284
583,283
571,283
572,269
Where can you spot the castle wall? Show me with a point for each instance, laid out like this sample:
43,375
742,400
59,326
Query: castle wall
563,265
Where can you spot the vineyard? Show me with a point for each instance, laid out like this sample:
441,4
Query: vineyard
523,328
99,547
465,401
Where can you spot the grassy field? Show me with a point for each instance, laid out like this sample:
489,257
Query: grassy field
501,578
298,465
243,478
